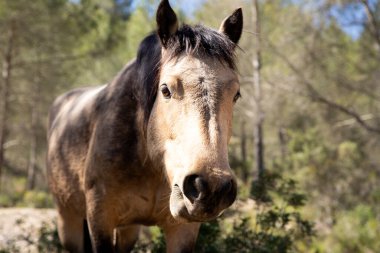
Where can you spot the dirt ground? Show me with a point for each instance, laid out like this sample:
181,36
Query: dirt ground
29,230
26,229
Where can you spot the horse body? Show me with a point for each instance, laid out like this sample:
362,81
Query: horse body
91,126
117,158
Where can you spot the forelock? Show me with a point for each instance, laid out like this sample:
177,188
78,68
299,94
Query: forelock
196,40
202,42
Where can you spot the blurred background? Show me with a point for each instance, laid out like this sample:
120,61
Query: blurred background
306,142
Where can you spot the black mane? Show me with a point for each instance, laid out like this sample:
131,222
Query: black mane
192,40
202,41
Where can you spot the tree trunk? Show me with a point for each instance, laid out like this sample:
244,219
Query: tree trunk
282,139
33,145
258,124
35,93
243,150
4,95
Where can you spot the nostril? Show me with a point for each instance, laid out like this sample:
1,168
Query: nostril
227,186
227,192
231,192
193,186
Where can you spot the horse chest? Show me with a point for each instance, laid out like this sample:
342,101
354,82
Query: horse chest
144,202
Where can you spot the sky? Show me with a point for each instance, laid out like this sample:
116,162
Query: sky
350,18
347,17
188,6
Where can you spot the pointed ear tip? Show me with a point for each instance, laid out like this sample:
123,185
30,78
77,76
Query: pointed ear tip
164,3
164,9
239,11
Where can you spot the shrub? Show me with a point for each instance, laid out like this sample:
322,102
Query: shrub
37,199
49,240
355,231
274,226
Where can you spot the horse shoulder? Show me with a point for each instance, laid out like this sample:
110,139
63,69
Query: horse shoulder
70,130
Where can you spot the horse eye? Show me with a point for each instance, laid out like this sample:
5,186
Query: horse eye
237,96
165,91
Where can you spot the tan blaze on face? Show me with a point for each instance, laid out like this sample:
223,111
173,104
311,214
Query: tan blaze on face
191,122
196,126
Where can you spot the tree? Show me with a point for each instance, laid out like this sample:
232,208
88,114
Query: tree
257,62
4,89
43,55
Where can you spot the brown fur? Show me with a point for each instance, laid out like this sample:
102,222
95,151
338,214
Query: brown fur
118,160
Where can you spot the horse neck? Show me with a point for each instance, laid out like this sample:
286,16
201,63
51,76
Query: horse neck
126,93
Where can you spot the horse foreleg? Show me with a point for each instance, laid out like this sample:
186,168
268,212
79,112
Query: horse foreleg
100,223
126,238
181,238
70,230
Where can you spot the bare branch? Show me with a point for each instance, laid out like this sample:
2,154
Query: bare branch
341,80
314,95
373,25
349,122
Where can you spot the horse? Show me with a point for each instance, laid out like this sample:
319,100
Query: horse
151,146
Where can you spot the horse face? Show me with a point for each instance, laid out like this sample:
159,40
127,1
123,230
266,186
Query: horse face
190,126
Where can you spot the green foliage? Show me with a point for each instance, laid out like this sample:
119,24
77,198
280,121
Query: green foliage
274,226
156,243
20,197
13,192
245,240
316,162
333,175
210,239
159,244
37,199
355,231
279,225
5,200
48,240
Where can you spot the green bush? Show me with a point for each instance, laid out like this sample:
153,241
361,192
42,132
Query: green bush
210,239
274,226
355,231
12,191
48,240
37,199
5,200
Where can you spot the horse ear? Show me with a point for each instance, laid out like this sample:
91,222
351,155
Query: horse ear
232,26
167,23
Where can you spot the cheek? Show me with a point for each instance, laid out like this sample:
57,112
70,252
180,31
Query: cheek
164,117
226,115
158,129
230,126
229,133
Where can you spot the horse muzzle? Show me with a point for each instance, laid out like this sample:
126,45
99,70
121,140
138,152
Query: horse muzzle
201,199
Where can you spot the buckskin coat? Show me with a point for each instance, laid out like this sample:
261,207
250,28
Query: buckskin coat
150,147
